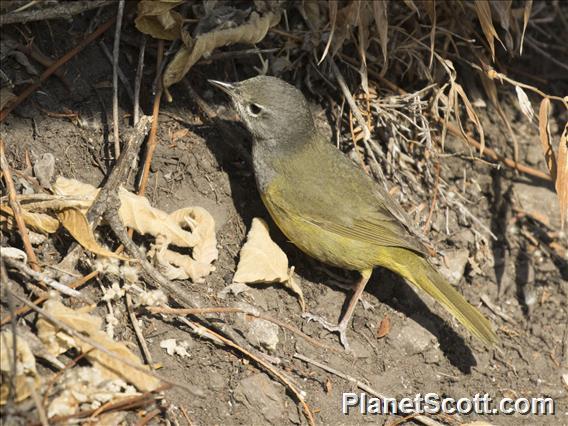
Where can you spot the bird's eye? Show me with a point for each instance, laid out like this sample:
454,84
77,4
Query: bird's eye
254,109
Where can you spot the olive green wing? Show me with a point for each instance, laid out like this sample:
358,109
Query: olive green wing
350,216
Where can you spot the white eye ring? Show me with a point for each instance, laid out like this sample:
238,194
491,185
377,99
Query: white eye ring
254,109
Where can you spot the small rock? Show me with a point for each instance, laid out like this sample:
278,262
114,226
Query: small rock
534,154
216,381
261,395
412,338
260,333
263,334
539,200
454,265
44,168
432,356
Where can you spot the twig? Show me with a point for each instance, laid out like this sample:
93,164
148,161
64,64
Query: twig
422,419
144,420
152,141
17,210
63,10
56,65
496,309
298,394
119,357
30,382
488,152
124,404
138,80
159,280
133,140
139,335
37,55
426,226
121,76
24,310
115,52
43,278
228,310
350,100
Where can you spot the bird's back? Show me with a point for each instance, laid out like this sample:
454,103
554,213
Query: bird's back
330,209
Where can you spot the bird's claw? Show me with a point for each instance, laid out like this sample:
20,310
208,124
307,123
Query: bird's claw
340,328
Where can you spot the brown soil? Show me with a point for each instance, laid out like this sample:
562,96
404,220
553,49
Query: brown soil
424,351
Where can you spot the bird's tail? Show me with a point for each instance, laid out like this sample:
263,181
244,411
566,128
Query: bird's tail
420,273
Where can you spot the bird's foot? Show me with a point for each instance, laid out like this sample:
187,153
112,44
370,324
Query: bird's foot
340,328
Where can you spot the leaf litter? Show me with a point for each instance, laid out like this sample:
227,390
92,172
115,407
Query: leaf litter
434,44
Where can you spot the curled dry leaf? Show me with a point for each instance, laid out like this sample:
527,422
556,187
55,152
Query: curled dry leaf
176,266
250,33
25,367
262,261
545,139
156,18
76,223
39,222
58,341
557,164
136,212
202,225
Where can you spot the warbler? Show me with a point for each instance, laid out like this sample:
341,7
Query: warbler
328,207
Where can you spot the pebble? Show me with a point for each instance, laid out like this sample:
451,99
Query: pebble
262,396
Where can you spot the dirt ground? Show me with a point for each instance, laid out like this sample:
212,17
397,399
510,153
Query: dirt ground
516,272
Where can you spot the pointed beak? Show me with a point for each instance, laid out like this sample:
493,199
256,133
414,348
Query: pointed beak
228,88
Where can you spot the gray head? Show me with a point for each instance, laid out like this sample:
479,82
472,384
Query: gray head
272,109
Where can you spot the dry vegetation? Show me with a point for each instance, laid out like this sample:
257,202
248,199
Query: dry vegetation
408,86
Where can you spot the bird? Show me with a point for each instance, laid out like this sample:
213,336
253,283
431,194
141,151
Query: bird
329,207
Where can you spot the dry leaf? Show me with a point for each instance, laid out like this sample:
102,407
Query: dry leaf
25,367
250,33
503,11
524,103
471,115
384,327
74,188
78,226
136,212
177,266
526,15
88,387
382,23
39,222
483,10
156,18
545,139
332,9
262,261
58,341
410,4
202,225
